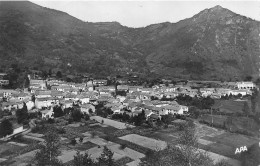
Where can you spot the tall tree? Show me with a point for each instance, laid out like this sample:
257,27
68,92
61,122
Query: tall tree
22,114
6,128
49,150
83,160
76,114
57,111
58,74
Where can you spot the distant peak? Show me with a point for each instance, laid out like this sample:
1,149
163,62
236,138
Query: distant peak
218,7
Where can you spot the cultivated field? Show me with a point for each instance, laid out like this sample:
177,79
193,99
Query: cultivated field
113,123
229,106
226,143
145,141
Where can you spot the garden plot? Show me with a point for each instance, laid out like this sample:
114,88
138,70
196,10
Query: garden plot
204,130
126,152
67,155
204,142
109,122
96,153
145,141
18,144
24,159
2,159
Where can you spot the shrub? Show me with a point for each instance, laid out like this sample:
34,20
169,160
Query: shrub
123,146
73,142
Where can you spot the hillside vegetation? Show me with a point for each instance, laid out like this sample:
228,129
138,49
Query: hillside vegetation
214,44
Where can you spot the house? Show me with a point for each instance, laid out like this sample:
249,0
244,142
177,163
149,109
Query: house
67,104
134,89
4,82
154,117
83,98
38,84
122,87
206,91
174,109
87,108
99,82
13,104
22,96
223,91
48,113
146,90
63,88
44,102
8,92
243,92
245,85
42,93
57,94
30,104
71,96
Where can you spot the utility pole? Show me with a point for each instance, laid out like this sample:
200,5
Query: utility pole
211,117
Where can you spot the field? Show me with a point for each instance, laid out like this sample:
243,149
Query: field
242,125
229,106
226,143
113,123
8,149
145,141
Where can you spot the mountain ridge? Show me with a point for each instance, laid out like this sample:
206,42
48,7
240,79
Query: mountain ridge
213,44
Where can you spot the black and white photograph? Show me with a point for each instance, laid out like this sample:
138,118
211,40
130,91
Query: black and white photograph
129,83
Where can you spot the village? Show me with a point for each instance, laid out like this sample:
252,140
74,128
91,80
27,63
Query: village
88,113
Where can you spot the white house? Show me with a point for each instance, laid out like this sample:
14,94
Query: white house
44,102
245,85
48,113
85,108
174,109
42,93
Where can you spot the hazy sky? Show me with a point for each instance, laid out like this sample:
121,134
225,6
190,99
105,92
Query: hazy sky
143,13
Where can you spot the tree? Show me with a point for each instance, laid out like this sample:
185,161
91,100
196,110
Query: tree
57,111
58,74
106,158
33,98
6,128
26,82
22,114
248,78
125,117
83,160
166,119
49,150
228,123
76,115
185,154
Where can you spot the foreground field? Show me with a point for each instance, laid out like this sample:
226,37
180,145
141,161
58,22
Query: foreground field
145,141
242,125
229,106
226,143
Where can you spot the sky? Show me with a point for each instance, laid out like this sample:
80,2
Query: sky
142,13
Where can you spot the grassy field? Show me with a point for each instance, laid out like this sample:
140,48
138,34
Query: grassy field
242,125
217,119
8,149
226,143
229,106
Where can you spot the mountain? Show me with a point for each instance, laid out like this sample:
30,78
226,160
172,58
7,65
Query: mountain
215,44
